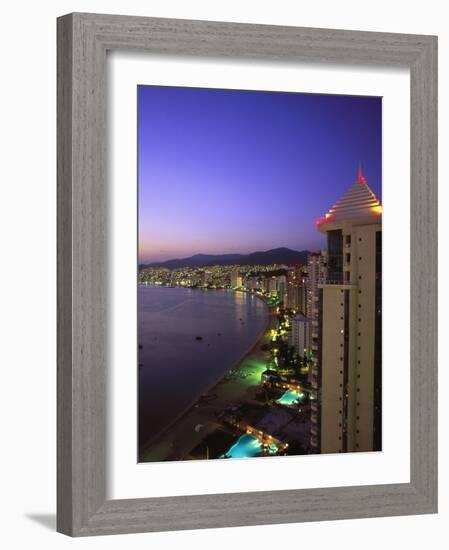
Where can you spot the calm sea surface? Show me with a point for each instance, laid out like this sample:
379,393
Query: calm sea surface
174,367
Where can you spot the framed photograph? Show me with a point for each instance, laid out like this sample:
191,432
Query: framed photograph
247,274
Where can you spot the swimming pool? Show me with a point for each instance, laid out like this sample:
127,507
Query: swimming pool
246,446
290,397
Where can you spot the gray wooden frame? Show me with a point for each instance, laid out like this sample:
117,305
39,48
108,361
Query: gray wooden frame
83,40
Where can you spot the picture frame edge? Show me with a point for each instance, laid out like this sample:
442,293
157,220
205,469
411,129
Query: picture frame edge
82,508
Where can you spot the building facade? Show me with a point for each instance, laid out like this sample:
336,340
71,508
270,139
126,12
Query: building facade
299,334
350,324
236,278
296,291
281,287
253,282
205,278
316,267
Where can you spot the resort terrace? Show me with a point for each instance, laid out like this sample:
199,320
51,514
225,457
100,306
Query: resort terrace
276,424
270,378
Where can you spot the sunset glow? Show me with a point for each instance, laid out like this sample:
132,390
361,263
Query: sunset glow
225,171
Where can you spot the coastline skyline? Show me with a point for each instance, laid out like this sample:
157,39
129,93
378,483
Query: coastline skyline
237,256
276,147
260,274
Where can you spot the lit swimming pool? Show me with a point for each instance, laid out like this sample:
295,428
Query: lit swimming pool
290,397
246,446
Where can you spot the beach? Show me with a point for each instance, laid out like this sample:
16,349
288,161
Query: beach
238,385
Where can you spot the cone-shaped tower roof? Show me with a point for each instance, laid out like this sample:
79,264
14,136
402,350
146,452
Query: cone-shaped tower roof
358,203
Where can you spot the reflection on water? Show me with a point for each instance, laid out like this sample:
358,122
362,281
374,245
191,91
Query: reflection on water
175,366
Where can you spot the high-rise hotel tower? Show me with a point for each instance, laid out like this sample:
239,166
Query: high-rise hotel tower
350,321
316,266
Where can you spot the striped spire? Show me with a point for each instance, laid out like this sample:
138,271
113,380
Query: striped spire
358,203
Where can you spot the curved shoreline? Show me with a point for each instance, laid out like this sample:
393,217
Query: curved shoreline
253,352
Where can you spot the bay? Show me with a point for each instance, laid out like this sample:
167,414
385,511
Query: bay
175,367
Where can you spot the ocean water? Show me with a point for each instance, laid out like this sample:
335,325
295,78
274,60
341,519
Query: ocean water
175,367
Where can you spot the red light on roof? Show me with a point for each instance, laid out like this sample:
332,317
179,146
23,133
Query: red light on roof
327,218
360,177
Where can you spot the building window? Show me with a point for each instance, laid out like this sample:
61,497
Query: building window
348,257
334,255
347,239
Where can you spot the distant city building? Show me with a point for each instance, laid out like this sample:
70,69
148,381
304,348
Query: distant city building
350,323
281,286
236,278
299,334
252,282
270,284
316,268
205,278
296,293
316,271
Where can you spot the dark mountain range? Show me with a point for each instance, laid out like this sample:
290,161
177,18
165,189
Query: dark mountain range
267,257
276,256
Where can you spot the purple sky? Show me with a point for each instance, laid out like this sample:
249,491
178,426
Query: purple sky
225,171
